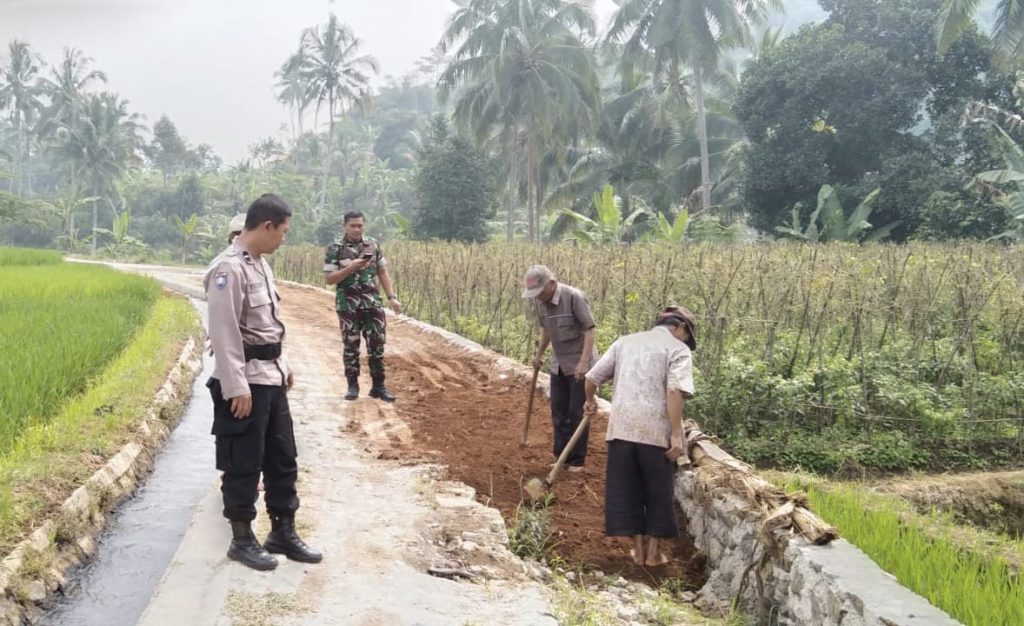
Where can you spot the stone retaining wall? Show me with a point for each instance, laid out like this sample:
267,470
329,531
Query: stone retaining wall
795,583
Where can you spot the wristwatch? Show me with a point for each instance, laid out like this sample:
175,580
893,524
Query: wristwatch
393,298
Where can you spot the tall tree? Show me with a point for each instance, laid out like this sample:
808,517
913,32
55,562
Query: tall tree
335,74
20,92
103,145
957,17
66,89
525,77
456,190
167,151
67,86
687,32
858,103
291,90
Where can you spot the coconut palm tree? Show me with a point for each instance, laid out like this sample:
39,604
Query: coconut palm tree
648,147
674,34
66,90
957,16
20,92
292,90
67,86
102,145
524,77
335,74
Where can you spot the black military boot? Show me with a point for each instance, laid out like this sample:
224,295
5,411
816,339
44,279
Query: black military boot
284,540
379,391
353,388
246,550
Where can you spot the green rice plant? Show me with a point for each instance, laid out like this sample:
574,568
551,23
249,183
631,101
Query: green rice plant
978,590
50,459
28,256
59,326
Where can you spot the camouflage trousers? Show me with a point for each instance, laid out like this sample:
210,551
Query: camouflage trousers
371,324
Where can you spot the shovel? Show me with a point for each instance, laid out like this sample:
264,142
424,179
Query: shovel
537,488
525,441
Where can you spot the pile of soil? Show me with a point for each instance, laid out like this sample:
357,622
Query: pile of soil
456,406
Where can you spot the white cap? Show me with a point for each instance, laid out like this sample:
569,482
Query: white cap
237,224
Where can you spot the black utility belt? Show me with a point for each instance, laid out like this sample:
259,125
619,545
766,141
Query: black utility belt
263,352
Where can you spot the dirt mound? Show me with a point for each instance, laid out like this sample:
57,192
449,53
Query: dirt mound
456,409
993,500
457,405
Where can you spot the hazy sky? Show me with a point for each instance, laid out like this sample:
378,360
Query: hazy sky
209,64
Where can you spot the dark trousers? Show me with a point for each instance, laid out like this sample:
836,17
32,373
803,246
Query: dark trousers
568,396
639,491
262,442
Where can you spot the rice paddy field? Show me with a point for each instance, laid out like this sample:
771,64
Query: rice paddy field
60,324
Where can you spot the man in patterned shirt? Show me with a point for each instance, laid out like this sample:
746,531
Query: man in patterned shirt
653,372
355,264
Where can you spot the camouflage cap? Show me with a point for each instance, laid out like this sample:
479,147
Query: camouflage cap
237,224
536,278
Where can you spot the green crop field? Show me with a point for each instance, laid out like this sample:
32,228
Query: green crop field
832,358
60,324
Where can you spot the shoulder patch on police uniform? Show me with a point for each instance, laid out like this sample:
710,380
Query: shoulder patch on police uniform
220,280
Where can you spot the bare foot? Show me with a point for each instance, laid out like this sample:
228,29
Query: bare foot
657,560
637,558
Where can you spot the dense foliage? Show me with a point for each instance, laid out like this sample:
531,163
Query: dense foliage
710,124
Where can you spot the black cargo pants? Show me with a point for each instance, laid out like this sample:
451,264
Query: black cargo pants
262,442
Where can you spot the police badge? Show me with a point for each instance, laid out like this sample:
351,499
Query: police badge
220,280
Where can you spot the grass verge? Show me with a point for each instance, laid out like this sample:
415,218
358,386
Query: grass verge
49,460
971,580
28,256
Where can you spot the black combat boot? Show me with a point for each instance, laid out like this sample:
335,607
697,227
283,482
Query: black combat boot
353,387
246,550
284,540
379,391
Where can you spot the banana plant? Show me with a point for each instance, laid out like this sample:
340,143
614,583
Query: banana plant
1007,184
607,225
829,222
187,230
123,245
673,232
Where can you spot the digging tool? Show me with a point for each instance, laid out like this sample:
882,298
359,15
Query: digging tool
525,441
537,488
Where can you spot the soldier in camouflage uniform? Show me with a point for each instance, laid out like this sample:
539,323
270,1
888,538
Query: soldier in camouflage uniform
355,264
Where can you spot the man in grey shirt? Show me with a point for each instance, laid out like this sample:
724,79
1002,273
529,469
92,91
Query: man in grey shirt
567,324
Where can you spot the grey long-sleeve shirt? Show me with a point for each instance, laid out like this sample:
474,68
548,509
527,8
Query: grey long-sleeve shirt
244,309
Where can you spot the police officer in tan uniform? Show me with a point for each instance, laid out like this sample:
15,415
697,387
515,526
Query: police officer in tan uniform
251,421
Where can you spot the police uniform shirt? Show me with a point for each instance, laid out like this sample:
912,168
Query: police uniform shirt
244,309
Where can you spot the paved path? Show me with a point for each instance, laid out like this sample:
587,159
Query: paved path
381,524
